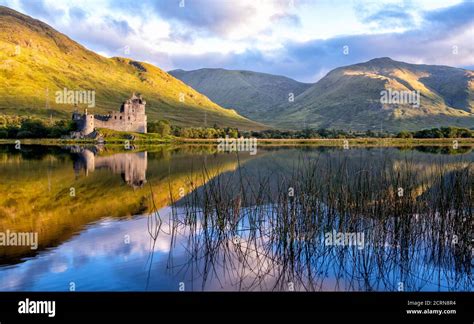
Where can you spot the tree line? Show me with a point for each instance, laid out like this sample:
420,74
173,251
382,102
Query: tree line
164,128
443,132
24,127
21,127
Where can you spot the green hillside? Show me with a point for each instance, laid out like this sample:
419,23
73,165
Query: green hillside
251,94
36,61
349,98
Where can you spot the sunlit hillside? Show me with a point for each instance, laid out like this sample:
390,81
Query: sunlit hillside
36,61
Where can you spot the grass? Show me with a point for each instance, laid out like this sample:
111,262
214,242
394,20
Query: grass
37,61
365,142
112,137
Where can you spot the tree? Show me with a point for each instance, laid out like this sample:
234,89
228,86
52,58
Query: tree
31,128
61,128
164,128
233,133
161,127
3,133
405,134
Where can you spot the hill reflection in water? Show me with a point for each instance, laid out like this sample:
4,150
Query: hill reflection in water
211,221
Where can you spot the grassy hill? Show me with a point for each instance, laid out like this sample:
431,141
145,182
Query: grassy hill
251,94
36,61
349,98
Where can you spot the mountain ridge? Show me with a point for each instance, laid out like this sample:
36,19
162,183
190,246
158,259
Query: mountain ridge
349,97
36,61
252,94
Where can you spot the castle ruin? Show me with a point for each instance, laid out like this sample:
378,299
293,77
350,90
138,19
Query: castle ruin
130,118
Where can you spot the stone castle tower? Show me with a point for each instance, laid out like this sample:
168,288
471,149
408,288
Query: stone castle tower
131,118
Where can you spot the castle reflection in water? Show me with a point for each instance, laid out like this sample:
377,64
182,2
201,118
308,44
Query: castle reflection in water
131,166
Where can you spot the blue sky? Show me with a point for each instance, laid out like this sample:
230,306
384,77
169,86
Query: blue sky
302,39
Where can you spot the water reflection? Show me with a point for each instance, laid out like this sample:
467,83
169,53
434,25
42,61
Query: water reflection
208,221
41,192
131,166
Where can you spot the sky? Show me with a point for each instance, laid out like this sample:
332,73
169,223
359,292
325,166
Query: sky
301,39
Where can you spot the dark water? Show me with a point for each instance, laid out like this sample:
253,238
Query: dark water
189,218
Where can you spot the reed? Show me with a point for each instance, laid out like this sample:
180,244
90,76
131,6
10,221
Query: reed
267,231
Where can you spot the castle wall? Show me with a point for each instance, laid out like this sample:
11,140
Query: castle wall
123,122
130,118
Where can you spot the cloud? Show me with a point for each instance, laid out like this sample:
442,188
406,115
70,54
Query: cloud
383,16
452,17
119,26
39,9
393,17
432,42
77,14
183,36
268,36
290,19
215,16
218,18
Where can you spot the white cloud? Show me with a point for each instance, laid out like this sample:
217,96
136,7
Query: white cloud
301,41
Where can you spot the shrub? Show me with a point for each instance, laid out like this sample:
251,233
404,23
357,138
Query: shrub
405,134
3,133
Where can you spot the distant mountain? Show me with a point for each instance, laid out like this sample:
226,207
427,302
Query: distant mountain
251,94
347,97
350,98
36,61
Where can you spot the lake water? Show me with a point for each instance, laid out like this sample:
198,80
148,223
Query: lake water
190,218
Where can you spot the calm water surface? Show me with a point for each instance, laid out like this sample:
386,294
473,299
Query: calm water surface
190,218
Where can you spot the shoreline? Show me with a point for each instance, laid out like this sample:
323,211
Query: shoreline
263,142
350,141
